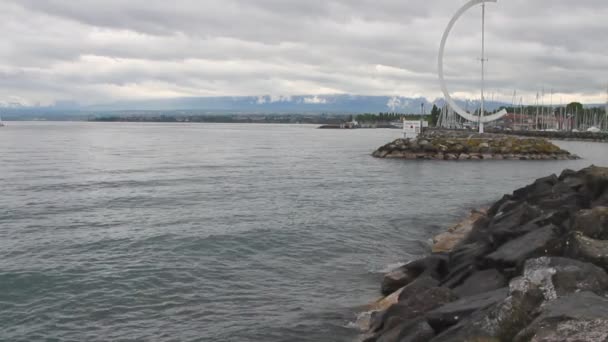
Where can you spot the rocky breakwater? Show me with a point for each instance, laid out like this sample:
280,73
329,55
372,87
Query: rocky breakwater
450,145
532,268
561,135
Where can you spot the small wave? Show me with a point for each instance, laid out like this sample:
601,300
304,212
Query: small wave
388,268
361,322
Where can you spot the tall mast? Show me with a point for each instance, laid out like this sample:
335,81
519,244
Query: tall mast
537,110
606,113
483,60
551,116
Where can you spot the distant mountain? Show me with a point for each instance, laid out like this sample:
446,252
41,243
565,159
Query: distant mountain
302,104
286,104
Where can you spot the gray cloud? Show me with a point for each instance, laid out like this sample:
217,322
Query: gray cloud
95,51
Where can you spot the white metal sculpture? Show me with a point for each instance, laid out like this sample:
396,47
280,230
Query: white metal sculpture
481,119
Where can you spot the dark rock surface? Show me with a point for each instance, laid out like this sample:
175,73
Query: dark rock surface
533,268
592,222
538,242
452,313
433,265
414,307
585,248
570,136
417,330
481,281
581,316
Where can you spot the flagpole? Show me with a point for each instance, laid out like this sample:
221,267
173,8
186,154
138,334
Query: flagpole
483,52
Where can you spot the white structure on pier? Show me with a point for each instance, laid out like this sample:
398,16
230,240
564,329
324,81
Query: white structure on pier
481,119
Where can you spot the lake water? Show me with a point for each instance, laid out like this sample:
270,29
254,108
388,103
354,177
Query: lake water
218,232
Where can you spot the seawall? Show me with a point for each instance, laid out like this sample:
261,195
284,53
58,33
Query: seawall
530,268
463,145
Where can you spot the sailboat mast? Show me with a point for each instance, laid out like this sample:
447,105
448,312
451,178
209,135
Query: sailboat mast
606,110
483,60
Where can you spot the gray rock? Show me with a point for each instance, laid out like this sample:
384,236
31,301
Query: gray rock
592,222
499,322
420,285
464,156
433,265
572,201
557,277
452,313
395,154
480,282
413,307
602,200
540,188
407,331
458,148
439,156
581,316
539,242
397,279
462,262
584,248
509,222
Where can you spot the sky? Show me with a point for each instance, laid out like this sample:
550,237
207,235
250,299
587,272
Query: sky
96,51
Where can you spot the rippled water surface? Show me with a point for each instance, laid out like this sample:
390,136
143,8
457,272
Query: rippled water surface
211,232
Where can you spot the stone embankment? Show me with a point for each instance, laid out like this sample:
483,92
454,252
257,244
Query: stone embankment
530,268
462,145
560,135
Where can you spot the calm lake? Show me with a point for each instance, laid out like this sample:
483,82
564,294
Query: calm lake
218,232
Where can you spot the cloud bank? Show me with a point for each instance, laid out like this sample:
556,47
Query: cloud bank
99,51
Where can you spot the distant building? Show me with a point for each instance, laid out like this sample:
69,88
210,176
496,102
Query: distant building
516,122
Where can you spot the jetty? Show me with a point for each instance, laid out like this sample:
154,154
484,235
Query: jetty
466,145
532,267
559,135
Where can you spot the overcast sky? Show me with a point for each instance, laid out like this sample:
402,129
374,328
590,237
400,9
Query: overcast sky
96,51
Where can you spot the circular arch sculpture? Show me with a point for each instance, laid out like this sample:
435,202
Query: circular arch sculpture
444,88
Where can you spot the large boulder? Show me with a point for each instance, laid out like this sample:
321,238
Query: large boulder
557,277
581,316
505,224
584,248
416,287
446,241
420,285
452,313
592,222
596,180
413,307
498,322
572,201
417,330
433,265
539,242
480,282
540,188
462,262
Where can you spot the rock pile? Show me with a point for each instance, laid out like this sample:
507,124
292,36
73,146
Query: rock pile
560,135
533,268
449,145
